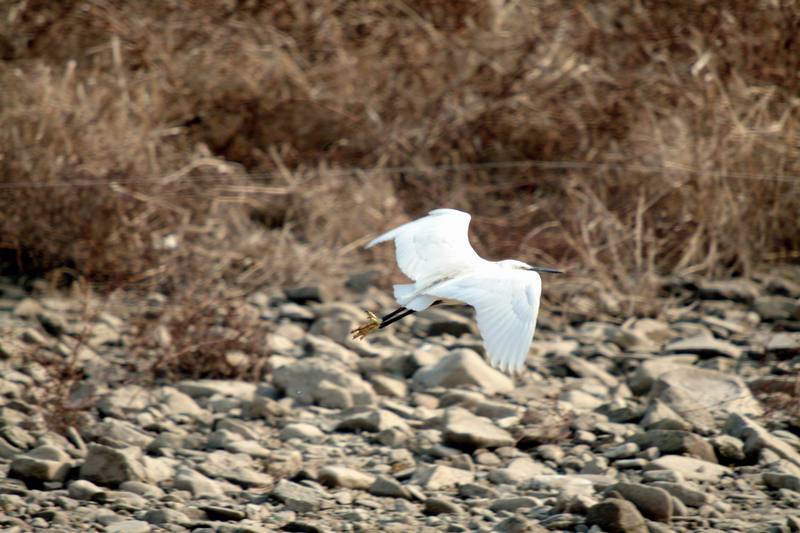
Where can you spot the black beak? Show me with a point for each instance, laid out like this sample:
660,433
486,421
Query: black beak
547,270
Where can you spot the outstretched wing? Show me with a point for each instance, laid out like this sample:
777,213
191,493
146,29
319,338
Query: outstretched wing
506,303
433,246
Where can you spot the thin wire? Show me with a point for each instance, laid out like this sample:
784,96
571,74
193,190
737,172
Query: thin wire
352,171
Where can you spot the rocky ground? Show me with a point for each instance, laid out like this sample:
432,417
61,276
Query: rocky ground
620,424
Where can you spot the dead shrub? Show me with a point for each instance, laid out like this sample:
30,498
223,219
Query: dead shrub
200,334
237,130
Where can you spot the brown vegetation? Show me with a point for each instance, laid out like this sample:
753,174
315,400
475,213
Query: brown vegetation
267,139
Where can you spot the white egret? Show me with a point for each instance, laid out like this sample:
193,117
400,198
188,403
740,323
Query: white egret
434,251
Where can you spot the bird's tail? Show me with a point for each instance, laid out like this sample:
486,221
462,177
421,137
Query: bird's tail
409,297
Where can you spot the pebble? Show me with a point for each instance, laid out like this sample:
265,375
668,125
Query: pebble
441,505
440,477
685,492
616,516
341,476
604,431
44,463
653,502
677,442
81,489
757,438
199,485
462,367
296,497
690,468
722,394
111,466
128,526
462,429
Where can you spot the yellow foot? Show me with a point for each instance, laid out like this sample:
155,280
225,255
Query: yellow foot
365,329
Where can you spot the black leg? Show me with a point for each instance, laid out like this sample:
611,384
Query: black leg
393,317
394,313
400,314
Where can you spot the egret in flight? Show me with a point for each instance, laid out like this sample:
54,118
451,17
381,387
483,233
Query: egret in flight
434,251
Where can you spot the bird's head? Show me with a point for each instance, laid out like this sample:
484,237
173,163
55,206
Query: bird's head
513,264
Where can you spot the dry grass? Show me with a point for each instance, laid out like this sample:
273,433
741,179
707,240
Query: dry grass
228,133
201,335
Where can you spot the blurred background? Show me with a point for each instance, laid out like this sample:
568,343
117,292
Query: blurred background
260,144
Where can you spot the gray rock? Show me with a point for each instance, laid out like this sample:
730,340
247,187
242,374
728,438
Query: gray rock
594,333
123,432
777,308
175,402
389,487
738,290
440,476
777,480
285,463
586,369
303,431
653,502
111,466
728,448
204,388
333,396
622,451
705,347
328,346
650,370
462,367
476,490
550,452
518,524
81,489
389,386
784,344
441,505
199,485
296,497
660,416
44,463
304,295
566,485
676,442
514,503
519,470
125,399
580,400
361,281
296,312
342,476
462,429
616,516
128,526
217,512
722,394
146,490
373,421
689,467
686,492
166,516
301,380
18,437
650,332
757,438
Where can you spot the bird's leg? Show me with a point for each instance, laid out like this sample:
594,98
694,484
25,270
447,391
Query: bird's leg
380,323
394,316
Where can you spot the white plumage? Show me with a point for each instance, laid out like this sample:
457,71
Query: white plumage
434,251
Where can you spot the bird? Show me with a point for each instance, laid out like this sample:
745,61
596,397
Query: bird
435,253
